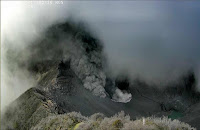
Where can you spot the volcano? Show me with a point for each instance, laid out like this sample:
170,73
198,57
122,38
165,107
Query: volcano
70,68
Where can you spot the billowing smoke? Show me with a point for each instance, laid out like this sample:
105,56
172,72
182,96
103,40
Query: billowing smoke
71,41
153,41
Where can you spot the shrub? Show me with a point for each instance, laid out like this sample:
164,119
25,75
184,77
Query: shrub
120,121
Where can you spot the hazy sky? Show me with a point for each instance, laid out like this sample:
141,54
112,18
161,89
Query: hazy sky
157,40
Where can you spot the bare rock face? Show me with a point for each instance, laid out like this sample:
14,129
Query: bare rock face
192,116
27,110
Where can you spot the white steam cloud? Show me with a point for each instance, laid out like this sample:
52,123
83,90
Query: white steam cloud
120,96
22,22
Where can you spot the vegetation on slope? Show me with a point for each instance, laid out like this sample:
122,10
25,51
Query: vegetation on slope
75,121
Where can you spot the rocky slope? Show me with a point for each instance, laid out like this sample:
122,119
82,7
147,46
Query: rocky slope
36,111
60,91
28,110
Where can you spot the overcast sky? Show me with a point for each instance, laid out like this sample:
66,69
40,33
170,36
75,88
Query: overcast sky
154,39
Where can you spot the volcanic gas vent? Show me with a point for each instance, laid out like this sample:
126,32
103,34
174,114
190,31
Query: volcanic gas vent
118,89
122,83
